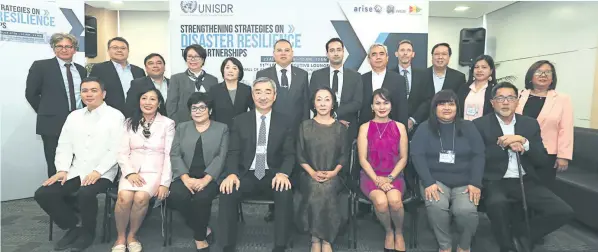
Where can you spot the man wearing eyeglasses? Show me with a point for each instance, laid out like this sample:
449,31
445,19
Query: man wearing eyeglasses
512,140
52,90
117,73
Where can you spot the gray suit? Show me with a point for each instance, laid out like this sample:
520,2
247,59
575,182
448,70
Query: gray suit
179,91
351,97
293,103
214,143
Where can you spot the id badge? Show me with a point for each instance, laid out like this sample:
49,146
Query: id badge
471,111
261,150
447,157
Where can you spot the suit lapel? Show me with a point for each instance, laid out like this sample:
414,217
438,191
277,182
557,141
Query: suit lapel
271,133
253,132
495,127
59,78
548,105
295,82
274,75
346,87
447,80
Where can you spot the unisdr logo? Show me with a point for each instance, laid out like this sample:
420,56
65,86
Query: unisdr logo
197,8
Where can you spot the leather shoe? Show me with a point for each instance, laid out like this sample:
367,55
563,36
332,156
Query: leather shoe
68,239
278,249
206,249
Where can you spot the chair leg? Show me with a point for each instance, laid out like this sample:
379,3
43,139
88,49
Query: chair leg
169,227
165,221
354,216
415,227
105,218
241,217
51,229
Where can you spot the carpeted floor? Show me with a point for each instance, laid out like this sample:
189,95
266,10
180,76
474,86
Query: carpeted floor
25,229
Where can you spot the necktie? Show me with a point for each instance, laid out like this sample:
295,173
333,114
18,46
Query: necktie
69,77
260,158
284,81
335,82
406,81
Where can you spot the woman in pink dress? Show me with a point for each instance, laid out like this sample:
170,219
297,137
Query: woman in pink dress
144,160
382,145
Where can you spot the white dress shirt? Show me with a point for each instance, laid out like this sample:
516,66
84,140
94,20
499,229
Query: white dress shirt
340,82
76,82
438,80
513,169
377,79
162,87
125,75
90,141
258,123
279,74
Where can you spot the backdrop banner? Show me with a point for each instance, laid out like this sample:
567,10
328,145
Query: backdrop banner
248,30
25,30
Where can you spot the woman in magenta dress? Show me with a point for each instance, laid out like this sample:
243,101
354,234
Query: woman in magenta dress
382,144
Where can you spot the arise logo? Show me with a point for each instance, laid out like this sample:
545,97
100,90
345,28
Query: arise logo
367,9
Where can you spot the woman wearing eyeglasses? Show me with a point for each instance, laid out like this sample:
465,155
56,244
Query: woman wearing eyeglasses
198,153
182,85
144,160
476,95
554,113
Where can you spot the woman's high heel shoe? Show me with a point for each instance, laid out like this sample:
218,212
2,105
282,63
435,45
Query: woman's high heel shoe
206,249
389,250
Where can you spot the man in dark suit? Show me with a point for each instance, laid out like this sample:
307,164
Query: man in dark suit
505,134
154,66
440,76
260,159
417,95
53,91
292,84
345,82
117,73
379,77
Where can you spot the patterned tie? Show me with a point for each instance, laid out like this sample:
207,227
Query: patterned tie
284,81
69,78
406,81
260,158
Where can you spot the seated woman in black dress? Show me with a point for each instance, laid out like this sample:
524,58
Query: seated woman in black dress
322,152
197,156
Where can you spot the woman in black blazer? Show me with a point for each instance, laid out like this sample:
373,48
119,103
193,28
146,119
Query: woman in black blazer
231,97
482,78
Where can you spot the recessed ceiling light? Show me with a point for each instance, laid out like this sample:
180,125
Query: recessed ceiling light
117,1
461,8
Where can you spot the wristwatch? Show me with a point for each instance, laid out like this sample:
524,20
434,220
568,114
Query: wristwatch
391,177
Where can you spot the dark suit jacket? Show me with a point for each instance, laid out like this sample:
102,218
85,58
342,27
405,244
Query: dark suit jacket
497,159
132,101
243,139
395,84
115,96
296,105
46,93
419,95
351,97
223,109
453,80
462,94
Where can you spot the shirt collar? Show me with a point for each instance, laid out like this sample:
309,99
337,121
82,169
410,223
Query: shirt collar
97,110
502,123
163,80
117,65
379,74
472,87
408,69
438,76
340,70
278,68
62,62
258,115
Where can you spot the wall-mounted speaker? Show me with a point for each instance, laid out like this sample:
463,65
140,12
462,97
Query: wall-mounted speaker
471,45
91,37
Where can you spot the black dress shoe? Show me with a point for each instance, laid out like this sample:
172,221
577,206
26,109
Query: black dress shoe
210,237
68,239
278,249
83,242
389,250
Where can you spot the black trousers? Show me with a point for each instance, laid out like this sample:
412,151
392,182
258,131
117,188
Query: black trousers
550,211
195,208
251,187
52,199
50,144
547,175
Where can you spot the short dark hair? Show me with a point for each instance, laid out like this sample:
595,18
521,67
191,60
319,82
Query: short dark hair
442,97
282,40
383,93
313,100
133,121
490,62
151,55
93,79
198,97
203,54
121,39
442,44
504,84
235,62
405,41
334,40
533,68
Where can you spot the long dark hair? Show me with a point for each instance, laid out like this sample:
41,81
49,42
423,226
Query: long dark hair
444,96
133,121
334,102
532,70
490,62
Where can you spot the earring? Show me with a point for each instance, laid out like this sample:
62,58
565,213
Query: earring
490,78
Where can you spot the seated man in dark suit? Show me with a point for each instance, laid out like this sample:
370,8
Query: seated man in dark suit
261,157
505,134
154,66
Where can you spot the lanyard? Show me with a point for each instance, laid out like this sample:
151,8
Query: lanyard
441,147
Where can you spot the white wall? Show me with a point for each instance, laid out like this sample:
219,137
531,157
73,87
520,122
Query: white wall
146,32
563,32
441,29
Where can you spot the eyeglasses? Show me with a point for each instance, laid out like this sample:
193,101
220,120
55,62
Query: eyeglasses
61,47
539,73
116,48
503,99
193,58
200,108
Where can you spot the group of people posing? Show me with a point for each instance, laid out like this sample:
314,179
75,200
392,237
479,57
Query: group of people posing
188,139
